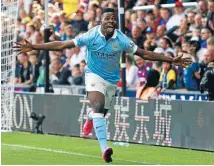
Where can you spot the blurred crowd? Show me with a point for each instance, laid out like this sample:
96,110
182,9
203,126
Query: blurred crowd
169,31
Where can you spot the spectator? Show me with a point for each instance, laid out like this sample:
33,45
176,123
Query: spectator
168,75
165,16
68,55
82,66
198,20
207,80
176,18
205,34
136,36
210,43
191,20
191,74
59,74
69,34
23,16
150,34
143,70
34,67
149,90
77,56
56,22
210,15
160,33
76,78
31,30
131,72
202,7
166,45
25,74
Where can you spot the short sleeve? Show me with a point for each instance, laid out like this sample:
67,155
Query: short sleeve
84,39
129,45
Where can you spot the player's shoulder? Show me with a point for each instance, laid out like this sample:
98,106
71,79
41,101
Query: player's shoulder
121,36
94,29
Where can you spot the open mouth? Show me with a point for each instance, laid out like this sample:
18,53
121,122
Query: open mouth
110,27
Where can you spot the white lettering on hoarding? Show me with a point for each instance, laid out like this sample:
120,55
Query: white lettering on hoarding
121,114
25,108
139,117
162,123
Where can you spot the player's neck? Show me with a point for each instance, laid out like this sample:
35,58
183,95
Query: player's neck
107,36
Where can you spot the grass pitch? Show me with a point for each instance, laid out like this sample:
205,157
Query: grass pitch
32,149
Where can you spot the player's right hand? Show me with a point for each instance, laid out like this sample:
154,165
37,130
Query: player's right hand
24,47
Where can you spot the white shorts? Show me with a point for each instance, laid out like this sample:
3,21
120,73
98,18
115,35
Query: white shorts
94,82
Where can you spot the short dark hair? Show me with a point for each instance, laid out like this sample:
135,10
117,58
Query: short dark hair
107,10
77,65
83,61
153,78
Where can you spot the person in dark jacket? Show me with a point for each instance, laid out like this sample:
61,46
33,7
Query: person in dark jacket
207,81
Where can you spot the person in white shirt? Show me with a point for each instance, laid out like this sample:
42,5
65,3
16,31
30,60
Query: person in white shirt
131,72
175,20
77,56
166,45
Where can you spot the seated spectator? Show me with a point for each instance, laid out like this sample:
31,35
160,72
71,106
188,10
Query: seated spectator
59,75
82,66
69,34
25,73
198,21
143,70
160,33
77,56
166,45
207,80
131,72
165,16
34,67
210,15
149,90
191,75
136,36
68,55
178,15
210,43
41,78
202,7
76,78
205,34
191,20
150,34
168,75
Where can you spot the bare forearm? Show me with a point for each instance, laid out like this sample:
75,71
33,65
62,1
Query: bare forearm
152,56
54,46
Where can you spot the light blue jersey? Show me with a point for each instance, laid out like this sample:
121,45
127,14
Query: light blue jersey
103,57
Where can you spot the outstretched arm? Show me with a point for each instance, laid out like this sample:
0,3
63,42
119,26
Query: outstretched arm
152,56
53,46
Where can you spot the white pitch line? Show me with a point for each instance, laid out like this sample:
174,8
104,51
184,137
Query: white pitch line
72,153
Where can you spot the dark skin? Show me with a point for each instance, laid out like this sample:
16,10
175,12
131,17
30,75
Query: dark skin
108,25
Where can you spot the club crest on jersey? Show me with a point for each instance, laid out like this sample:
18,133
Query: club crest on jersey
115,46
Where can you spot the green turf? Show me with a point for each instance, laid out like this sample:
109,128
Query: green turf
67,146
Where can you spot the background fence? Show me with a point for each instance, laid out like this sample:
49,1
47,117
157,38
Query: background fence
186,124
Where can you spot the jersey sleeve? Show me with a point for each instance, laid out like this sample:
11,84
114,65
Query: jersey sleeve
129,45
84,39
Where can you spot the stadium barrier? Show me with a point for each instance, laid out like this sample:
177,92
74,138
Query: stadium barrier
150,7
183,124
177,94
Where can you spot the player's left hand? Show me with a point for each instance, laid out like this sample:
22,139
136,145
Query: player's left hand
183,62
